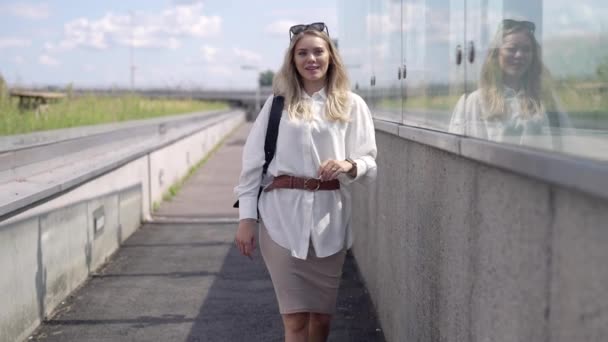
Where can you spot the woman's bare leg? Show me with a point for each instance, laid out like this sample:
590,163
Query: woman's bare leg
318,327
296,326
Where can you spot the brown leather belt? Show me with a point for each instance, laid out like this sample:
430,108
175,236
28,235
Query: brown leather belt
310,184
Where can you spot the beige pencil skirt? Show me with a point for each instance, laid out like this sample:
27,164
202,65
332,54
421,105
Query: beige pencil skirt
309,285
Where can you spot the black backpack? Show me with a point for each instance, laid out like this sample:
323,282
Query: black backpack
272,132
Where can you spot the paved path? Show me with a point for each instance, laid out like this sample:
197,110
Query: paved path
179,281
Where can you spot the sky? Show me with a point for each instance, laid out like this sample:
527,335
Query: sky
205,43
174,43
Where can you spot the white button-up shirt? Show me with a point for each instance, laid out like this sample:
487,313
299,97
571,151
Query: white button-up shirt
293,217
467,119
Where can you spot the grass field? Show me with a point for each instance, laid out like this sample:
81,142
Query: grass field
91,110
590,104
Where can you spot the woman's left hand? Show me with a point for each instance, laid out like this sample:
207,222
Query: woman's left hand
330,169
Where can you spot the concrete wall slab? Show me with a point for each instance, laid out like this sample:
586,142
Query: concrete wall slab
50,247
456,249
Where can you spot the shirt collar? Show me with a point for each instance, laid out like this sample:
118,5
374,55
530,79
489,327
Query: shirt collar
319,95
510,92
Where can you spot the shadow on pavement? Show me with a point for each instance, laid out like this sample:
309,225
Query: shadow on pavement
241,306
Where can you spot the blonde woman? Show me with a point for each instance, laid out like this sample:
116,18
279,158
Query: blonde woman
326,142
514,102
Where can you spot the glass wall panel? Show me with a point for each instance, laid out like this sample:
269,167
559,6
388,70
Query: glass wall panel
505,75
538,76
433,39
354,44
384,24
532,73
574,38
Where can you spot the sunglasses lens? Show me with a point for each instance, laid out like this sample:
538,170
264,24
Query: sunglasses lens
318,26
297,29
530,25
510,23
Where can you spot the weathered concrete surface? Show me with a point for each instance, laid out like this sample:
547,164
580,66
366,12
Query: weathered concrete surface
49,248
172,150
187,282
46,255
51,136
455,250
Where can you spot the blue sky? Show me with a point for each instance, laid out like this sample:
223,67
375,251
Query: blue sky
177,42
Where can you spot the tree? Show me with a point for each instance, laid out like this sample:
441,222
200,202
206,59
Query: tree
602,70
265,79
3,88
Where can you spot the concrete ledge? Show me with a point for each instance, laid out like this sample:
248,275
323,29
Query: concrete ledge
34,189
67,223
38,139
55,144
588,176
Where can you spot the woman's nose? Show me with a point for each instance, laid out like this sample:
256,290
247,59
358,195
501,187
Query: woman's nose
518,53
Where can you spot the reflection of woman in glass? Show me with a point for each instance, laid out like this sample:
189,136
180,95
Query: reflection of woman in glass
513,99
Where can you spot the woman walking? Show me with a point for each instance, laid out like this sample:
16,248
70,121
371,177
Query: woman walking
326,142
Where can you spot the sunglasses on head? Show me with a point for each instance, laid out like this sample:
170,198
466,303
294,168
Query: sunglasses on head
508,24
296,29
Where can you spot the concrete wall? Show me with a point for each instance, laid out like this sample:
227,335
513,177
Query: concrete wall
49,250
452,249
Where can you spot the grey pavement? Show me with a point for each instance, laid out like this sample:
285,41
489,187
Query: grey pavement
209,194
179,281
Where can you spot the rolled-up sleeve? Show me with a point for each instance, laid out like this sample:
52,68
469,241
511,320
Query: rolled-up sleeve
361,142
253,162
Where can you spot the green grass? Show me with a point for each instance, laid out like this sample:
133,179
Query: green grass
582,103
92,110
445,103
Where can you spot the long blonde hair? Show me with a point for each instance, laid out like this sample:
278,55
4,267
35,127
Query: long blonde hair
535,85
288,83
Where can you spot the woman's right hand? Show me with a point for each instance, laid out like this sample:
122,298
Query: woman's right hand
245,237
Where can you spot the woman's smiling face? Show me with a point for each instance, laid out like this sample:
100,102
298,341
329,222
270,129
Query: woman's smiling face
311,57
515,55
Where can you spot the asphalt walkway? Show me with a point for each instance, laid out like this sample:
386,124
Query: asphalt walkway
180,278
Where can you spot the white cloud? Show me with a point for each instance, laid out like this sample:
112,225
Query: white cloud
247,56
187,2
27,11
143,30
280,27
188,20
19,60
9,42
48,60
221,70
209,53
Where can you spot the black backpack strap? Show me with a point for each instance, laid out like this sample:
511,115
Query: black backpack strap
272,132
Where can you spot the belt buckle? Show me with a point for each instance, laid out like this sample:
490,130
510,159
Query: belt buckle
312,179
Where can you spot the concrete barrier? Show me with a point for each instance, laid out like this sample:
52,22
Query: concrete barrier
457,249
51,247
